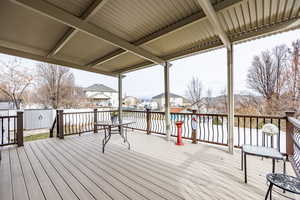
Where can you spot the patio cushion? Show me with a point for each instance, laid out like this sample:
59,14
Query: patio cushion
262,151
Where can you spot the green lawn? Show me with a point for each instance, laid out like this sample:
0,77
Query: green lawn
36,137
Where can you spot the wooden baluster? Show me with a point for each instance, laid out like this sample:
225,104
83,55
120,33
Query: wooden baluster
95,120
194,131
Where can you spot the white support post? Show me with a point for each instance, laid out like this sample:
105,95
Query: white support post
230,99
120,97
167,100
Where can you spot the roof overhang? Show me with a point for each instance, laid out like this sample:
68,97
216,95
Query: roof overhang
100,36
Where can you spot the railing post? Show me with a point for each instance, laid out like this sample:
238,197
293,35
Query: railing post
20,128
95,120
289,134
148,117
60,124
194,127
57,124
52,127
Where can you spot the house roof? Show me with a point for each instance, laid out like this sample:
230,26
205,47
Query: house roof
172,95
130,97
117,36
99,88
98,96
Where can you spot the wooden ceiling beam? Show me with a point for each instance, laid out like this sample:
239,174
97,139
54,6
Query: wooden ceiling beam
165,31
36,57
51,11
91,10
211,14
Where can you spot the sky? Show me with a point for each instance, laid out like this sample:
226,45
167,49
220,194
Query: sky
209,67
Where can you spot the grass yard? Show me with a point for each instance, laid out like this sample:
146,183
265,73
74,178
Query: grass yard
36,137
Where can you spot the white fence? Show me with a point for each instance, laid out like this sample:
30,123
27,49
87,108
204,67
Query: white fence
41,118
38,119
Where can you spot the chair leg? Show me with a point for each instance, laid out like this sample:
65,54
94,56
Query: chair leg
284,167
242,160
245,166
269,191
284,170
273,165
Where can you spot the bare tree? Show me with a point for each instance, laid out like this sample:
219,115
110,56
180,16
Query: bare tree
56,86
207,100
292,95
14,80
194,92
293,74
224,103
247,103
281,56
270,76
262,75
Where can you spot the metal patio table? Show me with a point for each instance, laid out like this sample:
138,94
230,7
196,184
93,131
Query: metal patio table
111,128
282,181
265,152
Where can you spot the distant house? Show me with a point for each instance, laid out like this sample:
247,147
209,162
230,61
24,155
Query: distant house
147,104
175,100
101,95
131,101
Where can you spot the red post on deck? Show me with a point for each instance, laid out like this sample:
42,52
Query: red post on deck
179,132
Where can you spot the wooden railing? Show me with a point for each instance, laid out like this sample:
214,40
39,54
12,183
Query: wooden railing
77,123
211,128
293,142
11,130
71,123
248,131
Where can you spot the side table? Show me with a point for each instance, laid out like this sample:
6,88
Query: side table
282,181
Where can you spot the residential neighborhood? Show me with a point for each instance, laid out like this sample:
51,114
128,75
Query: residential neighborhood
131,101
149,99
175,101
100,95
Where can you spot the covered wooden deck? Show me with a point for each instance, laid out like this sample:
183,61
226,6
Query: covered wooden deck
75,168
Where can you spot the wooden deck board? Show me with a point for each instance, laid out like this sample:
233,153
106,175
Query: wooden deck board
69,179
6,190
156,169
62,187
162,188
100,176
75,168
92,187
103,165
33,187
18,182
48,187
189,183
